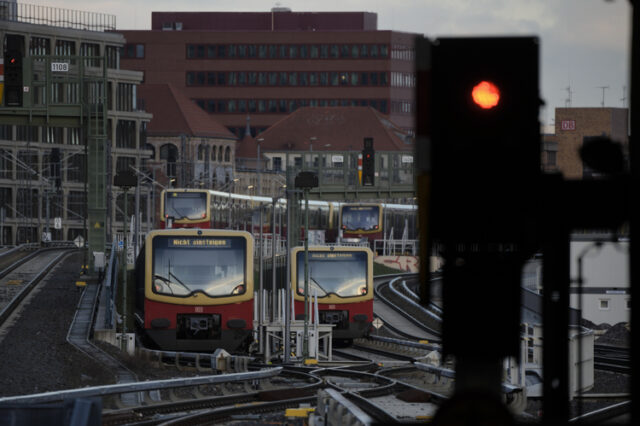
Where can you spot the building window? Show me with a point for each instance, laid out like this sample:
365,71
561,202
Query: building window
54,135
169,153
111,53
76,167
6,202
6,164
26,133
603,304
93,50
76,205
39,46
126,134
201,152
27,165
123,164
65,48
126,97
277,164
27,202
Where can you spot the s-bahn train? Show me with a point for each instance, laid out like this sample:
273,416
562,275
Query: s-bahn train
201,208
342,279
194,289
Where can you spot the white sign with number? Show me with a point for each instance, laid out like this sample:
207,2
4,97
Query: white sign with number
59,67
57,223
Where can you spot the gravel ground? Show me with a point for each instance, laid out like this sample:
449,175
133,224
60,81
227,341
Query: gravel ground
34,352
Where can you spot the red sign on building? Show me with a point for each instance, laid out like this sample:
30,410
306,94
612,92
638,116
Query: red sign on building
568,125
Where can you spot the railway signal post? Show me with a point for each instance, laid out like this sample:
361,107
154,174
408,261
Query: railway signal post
479,165
306,181
125,180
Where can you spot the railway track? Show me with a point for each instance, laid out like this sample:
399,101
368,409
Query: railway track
401,314
612,358
20,277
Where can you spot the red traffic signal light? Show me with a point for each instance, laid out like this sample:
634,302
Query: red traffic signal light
485,94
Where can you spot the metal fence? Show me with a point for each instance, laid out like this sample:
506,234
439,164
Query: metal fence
56,17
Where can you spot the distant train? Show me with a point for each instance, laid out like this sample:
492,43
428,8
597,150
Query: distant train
199,208
194,289
342,279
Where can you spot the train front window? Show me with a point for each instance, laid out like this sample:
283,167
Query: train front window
341,273
183,266
186,205
360,218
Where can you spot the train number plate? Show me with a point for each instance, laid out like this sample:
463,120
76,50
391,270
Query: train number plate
198,309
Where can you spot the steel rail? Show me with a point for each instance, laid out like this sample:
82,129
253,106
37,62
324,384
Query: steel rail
99,391
136,414
378,293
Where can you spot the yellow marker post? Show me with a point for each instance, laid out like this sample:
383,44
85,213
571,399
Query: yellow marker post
81,284
310,361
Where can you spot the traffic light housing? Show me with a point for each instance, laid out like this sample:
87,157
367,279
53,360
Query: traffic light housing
13,85
368,163
485,152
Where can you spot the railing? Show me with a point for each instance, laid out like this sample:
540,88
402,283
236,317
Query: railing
396,247
110,285
56,17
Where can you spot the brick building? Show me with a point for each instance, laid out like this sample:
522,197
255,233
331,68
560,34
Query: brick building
572,125
267,64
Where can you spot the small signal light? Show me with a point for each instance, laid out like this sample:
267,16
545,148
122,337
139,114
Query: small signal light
204,215
486,95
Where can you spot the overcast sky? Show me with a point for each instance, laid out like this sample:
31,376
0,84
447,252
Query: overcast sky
584,43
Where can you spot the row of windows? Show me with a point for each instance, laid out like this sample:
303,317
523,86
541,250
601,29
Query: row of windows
40,46
132,51
217,154
28,166
287,51
286,78
125,134
403,79
230,106
27,203
24,133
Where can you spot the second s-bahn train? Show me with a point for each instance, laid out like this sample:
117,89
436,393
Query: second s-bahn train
194,289
342,279
201,208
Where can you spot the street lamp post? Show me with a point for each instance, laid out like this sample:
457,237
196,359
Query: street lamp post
231,182
259,165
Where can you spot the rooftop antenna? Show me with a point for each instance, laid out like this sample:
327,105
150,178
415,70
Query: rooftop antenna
603,89
567,102
623,99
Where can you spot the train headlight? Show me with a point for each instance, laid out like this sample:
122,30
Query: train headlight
238,290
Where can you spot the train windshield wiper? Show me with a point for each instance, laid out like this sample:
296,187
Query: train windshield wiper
179,215
171,274
318,286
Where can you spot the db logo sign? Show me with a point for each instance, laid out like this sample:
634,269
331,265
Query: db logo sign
568,125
